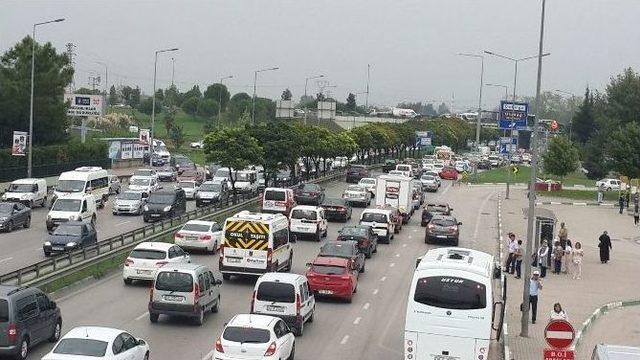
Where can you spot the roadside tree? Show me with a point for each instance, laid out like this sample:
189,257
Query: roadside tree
561,157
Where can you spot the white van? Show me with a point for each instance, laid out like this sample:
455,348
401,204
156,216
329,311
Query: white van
286,296
406,169
247,181
30,192
86,179
615,352
73,207
450,310
381,222
278,200
255,243
308,220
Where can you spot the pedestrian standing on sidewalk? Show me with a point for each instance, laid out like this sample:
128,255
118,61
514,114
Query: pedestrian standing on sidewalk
636,214
600,193
543,258
557,255
535,285
621,203
578,255
605,246
628,197
509,265
563,235
567,258
558,313
518,259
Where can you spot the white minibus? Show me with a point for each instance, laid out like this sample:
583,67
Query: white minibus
88,179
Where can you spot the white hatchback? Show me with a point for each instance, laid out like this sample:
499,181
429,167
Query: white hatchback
255,337
190,188
147,257
369,184
93,342
201,235
308,220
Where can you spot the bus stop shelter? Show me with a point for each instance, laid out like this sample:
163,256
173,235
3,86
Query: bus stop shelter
545,223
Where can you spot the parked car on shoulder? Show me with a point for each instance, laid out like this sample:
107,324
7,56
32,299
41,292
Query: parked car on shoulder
14,215
363,234
337,209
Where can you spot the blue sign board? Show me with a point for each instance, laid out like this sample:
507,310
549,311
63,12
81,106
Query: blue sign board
513,115
508,144
423,138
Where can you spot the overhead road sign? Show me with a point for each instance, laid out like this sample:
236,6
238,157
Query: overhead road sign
513,115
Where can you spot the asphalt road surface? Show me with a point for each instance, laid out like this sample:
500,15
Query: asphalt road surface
371,327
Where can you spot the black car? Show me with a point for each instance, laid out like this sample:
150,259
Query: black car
389,164
69,236
337,208
14,214
312,194
165,204
432,209
442,228
484,165
28,317
357,172
344,249
364,235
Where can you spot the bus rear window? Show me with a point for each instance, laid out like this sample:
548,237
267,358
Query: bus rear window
451,293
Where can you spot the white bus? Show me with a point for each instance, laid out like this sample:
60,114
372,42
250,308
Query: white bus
450,310
88,179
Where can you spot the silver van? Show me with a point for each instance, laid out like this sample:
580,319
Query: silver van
615,352
187,290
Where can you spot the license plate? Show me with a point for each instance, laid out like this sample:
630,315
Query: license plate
143,272
57,248
441,236
233,260
173,298
325,292
155,215
275,308
191,238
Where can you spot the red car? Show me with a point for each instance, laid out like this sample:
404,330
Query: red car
333,277
191,175
448,173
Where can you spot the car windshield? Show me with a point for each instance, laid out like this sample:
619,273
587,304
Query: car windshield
21,188
333,202
355,188
248,335
143,172
70,185
148,254
187,184
339,249
140,182
211,187
222,173
129,195
242,176
67,205
277,195
4,311
6,208
174,281
443,222
196,227
328,269
276,292
368,181
161,198
450,293
354,231
374,217
166,169
304,214
68,230
81,347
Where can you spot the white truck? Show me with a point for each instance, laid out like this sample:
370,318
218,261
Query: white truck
396,191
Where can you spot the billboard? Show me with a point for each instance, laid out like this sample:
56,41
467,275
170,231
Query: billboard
19,145
143,136
326,110
424,138
508,145
85,105
127,150
284,109
114,150
138,150
513,115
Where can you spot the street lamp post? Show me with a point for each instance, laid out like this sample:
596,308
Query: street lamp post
306,81
253,102
33,70
478,123
220,97
153,101
106,81
506,89
573,96
515,84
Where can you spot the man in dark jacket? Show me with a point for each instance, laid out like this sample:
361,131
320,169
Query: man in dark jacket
605,246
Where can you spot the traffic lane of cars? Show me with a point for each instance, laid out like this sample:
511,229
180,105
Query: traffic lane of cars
24,247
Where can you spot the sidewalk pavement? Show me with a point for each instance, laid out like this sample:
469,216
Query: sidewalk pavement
600,284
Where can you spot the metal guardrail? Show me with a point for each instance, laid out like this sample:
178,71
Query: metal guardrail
55,267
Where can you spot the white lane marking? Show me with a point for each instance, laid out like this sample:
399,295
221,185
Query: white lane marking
375,292
415,230
6,259
123,222
366,306
344,340
383,278
357,321
397,255
146,313
392,264
404,245
479,218
409,237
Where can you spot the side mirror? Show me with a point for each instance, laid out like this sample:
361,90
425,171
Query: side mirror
293,238
141,342
52,305
459,222
218,282
308,264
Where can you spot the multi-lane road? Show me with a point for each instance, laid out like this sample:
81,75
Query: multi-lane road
371,327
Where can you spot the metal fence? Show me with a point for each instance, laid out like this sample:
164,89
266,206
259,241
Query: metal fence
41,171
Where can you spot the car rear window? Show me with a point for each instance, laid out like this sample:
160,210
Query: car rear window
373,217
276,292
333,202
328,269
353,231
82,347
451,293
196,227
4,311
174,281
147,254
339,249
246,335
274,195
304,214
443,222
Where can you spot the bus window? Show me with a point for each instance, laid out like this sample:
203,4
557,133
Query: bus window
450,293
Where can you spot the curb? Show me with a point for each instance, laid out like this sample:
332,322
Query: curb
599,312
574,203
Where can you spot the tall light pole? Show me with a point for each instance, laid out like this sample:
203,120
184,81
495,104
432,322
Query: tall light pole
220,97
253,102
366,99
106,80
153,102
506,89
173,70
478,124
33,70
573,96
515,84
524,320
306,81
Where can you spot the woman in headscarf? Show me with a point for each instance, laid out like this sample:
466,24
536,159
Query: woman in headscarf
605,246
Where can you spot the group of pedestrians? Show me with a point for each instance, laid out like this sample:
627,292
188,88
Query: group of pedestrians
563,257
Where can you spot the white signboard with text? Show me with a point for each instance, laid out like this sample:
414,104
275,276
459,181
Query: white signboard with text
85,105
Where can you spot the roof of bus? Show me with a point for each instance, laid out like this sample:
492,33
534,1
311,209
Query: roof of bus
457,258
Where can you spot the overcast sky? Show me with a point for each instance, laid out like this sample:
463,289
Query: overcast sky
411,45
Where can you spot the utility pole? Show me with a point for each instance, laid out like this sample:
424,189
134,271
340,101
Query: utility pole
306,103
253,102
153,101
524,320
366,99
106,81
173,70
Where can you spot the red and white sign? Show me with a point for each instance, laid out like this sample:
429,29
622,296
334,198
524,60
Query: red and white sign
559,334
552,354
554,125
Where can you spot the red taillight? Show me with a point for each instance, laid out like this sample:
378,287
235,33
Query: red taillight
269,256
153,285
219,346
128,262
298,304
161,263
271,349
179,235
205,237
196,293
253,300
12,333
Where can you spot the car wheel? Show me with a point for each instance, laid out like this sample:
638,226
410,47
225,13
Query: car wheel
47,254
57,330
27,223
362,268
293,352
153,317
146,356
10,226
326,232
127,281
44,202
24,349
216,307
318,235
427,240
299,330
310,319
226,277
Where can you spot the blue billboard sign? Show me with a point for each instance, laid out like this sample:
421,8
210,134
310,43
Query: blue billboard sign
508,145
423,138
513,115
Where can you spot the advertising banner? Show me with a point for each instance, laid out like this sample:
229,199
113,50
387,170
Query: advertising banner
138,150
127,150
143,136
85,105
19,145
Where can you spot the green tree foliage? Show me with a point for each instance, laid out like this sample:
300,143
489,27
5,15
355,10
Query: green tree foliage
125,93
561,157
207,107
219,93
53,73
172,96
194,92
265,110
159,96
286,95
146,106
584,122
623,97
176,134
557,107
85,91
113,95
351,102
190,105
170,119
135,97
623,148
242,96
280,144
430,111
238,106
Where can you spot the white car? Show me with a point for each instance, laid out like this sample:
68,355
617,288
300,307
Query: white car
356,194
145,173
461,166
199,234
369,184
430,182
190,188
437,167
610,184
308,220
399,173
197,144
143,184
146,258
254,336
93,342
129,202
